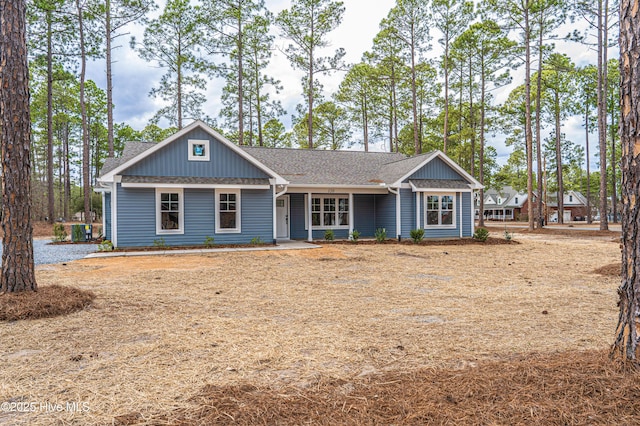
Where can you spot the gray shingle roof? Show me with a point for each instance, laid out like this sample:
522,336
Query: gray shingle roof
312,167
131,149
440,184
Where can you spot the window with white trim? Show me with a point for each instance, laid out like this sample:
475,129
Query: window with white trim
169,211
198,150
440,210
330,212
227,210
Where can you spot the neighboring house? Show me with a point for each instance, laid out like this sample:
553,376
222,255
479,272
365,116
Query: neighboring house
503,204
574,208
196,184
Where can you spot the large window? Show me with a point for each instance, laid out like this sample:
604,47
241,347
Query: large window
227,210
440,210
330,212
169,211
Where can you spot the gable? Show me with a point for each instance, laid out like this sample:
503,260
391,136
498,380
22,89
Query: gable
436,169
173,159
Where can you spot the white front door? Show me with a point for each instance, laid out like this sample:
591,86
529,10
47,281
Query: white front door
282,217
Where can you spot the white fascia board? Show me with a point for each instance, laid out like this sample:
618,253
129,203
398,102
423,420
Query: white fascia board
279,179
192,185
101,190
330,189
437,153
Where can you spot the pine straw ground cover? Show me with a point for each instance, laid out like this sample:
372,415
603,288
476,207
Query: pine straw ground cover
354,334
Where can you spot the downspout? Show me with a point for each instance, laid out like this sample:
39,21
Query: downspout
396,192
351,209
114,214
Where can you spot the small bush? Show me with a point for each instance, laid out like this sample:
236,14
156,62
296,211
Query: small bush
508,235
481,234
329,235
77,233
160,243
256,241
381,235
59,233
417,235
355,235
208,242
105,245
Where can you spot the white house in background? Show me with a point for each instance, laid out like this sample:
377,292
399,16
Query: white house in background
502,204
575,206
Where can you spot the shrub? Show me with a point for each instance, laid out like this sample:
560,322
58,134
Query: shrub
329,235
256,241
208,242
417,235
355,235
508,235
159,243
381,235
105,245
481,234
77,233
59,233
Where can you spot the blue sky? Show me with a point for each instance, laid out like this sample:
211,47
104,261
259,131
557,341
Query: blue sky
134,77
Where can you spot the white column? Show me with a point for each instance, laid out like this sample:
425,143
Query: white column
351,208
310,231
398,217
418,211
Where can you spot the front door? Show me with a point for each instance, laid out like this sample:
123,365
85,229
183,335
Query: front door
282,217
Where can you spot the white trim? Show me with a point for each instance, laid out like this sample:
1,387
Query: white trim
159,230
238,228
336,197
418,211
453,216
274,206
448,190
192,185
475,184
338,189
114,214
206,143
309,227
104,213
350,213
111,175
396,192
275,225
461,221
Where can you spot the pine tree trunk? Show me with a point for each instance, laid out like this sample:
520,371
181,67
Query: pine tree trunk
602,121
18,271
108,49
85,126
50,194
626,346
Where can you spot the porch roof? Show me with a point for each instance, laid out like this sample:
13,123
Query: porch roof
427,184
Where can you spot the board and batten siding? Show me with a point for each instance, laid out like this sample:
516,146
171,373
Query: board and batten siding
435,169
172,160
385,211
137,218
364,214
408,210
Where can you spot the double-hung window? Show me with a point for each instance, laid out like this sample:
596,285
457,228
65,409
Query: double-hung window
227,211
330,211
440,210
169,211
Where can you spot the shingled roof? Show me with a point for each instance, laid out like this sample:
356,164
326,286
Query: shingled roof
131,149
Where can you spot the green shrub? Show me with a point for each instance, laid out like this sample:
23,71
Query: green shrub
355,235
208,242
329,235
381,235
417,235
256,241
481,234
160,243
105,245
77,233
508,235
59,233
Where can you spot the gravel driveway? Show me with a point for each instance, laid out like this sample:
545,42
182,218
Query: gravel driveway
45,253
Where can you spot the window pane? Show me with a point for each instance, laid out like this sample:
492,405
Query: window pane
329,204
447,218
343,218
432,202
164,197
329,219
227,220
232,197
343,204
432,218
170,220
447,202
315,204
315,219
223,197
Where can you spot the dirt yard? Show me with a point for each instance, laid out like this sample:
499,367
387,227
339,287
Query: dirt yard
164,331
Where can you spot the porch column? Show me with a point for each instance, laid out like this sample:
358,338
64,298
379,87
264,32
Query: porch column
275,223
398,215
351,215
310,231
418,210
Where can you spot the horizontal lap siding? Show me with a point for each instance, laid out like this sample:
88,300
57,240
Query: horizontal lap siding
408,211
172,160
107,215
364,217
137,218
467,208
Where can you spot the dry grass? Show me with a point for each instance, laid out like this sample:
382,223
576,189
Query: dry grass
49,301
162,329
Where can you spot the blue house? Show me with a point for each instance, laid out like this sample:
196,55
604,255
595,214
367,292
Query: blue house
196,184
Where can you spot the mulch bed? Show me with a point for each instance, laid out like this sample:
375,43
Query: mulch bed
568,388
48,301
612,270
490,241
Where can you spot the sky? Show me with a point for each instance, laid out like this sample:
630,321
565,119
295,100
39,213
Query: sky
134,78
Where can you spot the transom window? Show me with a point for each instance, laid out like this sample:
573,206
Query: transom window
330,212
440,210
227,211
169,211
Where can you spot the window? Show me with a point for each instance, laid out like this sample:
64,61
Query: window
227,211
330,212
198,150
440,211
571,198
169,211
516,200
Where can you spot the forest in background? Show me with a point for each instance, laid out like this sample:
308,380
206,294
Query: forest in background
402,92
